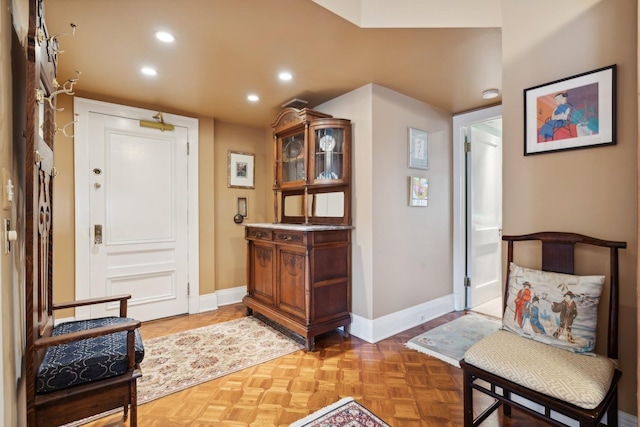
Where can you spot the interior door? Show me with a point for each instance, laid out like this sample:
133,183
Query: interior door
484,212
138,216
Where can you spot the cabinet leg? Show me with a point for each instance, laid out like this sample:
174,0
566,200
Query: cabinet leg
249,311
347,331
310,344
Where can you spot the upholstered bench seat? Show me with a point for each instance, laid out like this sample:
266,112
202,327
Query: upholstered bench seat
87,360
580,379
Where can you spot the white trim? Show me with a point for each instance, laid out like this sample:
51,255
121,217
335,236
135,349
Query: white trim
231,296
459,190
383,327
82,107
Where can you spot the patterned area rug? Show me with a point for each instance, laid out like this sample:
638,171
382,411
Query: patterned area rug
450,341
175,362
344,413
178,361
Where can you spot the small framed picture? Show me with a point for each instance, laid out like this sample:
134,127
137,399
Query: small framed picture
240,170
243,206
418,191
418,149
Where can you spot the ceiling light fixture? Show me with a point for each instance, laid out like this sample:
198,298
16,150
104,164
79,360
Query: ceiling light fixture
148,71
285,76
253,98
164,36
490,94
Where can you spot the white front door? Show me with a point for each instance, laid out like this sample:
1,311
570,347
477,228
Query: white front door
484,213
137,215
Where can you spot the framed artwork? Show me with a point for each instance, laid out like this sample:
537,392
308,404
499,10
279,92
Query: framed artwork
418,191
418,149
240,170
243,206
571,113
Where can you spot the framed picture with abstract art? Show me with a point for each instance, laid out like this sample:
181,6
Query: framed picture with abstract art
418,191
571,113
240,170
418,149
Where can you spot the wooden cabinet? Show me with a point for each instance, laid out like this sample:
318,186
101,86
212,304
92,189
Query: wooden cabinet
312,168
300,276
299,268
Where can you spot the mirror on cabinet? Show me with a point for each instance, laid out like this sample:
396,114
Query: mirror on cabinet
320,205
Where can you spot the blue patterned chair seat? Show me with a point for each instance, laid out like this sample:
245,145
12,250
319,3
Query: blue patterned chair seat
87,360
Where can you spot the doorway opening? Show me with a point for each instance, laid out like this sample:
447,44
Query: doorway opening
477,170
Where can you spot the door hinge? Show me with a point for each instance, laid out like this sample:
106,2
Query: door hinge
188,289
467,282
187,148
467,147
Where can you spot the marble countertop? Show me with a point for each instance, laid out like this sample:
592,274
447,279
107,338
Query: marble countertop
300,227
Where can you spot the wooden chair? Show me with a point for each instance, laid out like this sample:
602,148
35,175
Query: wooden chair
77,369
493,366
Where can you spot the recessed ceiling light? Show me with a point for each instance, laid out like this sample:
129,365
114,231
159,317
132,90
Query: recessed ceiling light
490,93
148,71
285,76
163,36
253,98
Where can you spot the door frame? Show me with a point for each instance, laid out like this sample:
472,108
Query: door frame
82,107
461,121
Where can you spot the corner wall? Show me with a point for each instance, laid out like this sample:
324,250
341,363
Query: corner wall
591,191
402,255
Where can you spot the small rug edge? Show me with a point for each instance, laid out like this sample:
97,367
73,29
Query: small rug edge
320,412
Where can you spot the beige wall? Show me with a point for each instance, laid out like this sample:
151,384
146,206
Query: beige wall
230,245
400,253
591,191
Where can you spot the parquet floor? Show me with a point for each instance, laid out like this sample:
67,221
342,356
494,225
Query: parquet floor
402,386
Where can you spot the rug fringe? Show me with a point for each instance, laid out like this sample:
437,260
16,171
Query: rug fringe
321,412
435,354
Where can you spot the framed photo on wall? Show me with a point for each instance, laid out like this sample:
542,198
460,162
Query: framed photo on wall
240,170
418,191
571,113
418,149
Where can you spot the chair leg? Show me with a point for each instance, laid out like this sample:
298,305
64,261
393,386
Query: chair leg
467,399
133,422
612,412
506,409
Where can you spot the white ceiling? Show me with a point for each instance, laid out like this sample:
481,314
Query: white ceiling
226,49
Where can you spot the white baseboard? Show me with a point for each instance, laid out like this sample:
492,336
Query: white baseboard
374,330
627,420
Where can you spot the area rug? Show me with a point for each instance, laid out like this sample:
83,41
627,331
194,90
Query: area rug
185,359
178,361
344,413
450,341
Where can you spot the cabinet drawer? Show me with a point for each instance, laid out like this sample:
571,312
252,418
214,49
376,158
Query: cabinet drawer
292,237
259,234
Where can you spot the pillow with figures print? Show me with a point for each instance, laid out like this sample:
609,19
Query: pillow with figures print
554,308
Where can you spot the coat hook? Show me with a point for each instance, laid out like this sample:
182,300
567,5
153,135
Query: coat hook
54,42
64,128
66,87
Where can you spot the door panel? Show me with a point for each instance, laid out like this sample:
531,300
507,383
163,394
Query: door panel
484,216
139,198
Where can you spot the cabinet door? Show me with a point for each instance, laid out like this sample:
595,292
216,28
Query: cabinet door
291,165
292,269
330,148
262,272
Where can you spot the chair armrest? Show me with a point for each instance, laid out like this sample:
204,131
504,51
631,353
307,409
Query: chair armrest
45,342
79,303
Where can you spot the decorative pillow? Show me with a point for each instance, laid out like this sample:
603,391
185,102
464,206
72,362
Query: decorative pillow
554,308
